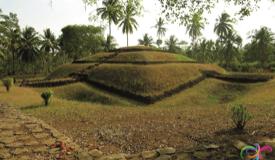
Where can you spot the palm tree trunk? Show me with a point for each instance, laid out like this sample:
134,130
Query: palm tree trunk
110,25
127,39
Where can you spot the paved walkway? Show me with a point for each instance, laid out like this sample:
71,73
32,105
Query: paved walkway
23,137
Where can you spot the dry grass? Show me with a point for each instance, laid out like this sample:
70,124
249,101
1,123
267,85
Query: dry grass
85,93
140,56
137,48
262,94
147,80
208,93
21,97
152,56
67,69
194,117
97,57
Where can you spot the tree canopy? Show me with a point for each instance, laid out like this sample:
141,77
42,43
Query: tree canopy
181,10
78,40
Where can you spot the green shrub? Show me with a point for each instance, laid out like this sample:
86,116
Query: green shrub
244,67
47,96
8,83
240,116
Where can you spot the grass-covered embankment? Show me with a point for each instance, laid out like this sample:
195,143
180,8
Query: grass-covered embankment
65,70
139,57
148,81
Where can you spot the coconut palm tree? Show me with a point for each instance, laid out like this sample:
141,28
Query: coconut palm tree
146,41
28,49
49,46
128,21
204,51
173,44
195,26
230,47
262,44
49,43
111,11
161,30
224,26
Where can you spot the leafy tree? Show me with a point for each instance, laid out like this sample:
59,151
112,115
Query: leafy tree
229,41
10,36
128,21
49,43
262,45
110,43
204,51
81,40
180,10
49,48
194,26
173,44
224,26
146,41
230,48
29,43
111,11
159,42
161,30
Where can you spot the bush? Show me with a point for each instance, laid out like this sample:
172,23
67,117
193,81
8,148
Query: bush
8,83
47,96
244,67
240,116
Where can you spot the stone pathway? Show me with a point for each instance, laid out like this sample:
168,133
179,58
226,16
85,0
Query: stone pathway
23,137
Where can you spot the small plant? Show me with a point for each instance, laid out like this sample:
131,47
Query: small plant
47,97
8,83
240,116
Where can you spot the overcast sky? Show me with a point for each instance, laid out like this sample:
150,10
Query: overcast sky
40,15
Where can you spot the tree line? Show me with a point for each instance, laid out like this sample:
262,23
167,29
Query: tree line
24,50
228,50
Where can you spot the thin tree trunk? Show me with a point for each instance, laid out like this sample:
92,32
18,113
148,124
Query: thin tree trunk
13,63
127,39
110,25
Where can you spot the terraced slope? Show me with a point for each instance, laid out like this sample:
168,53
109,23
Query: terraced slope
85,93
150,82
137,57
64,71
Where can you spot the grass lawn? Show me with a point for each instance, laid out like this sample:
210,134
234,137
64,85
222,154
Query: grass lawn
199,115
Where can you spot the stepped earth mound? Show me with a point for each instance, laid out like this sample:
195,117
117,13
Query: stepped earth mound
142,73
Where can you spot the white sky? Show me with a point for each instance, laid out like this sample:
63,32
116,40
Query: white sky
40,15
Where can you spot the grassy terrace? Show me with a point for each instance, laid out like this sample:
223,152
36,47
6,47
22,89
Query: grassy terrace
67,69
139,56
85,93
147,80
97,57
